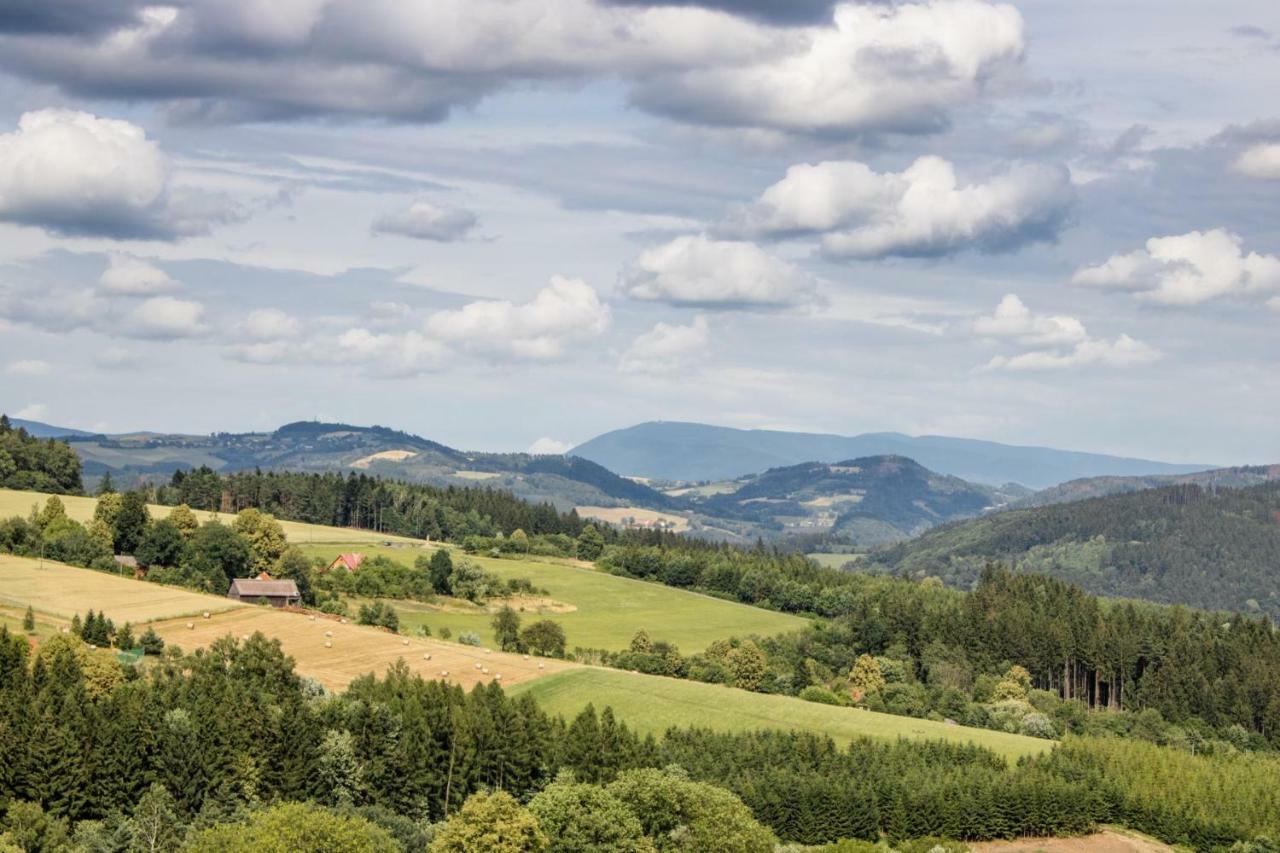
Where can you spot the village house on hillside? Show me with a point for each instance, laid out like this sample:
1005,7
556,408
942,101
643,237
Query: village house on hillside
276,593
347,562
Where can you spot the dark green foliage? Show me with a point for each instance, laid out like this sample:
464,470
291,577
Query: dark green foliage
151,642
544,637
130,524
162,544
29,620
590,543
1213,548
440,568
506,630
380,614
27,462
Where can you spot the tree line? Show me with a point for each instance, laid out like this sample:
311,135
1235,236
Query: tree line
27,462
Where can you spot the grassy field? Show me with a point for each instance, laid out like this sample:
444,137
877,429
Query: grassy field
64,591
356,650
81,509
653,704
834,561
608,610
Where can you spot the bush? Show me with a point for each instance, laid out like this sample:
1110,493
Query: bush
467,638
822,695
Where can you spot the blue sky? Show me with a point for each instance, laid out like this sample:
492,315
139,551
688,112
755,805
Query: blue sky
508,223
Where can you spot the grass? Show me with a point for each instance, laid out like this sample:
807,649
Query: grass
834,561
652,704
81,509
63,591
608,609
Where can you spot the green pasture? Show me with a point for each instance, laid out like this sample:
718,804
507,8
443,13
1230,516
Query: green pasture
652,704
608,609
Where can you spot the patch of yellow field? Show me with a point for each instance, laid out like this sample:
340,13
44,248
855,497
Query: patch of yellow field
385,455
356,650
832,500
81,509
64,591
615,515
476,475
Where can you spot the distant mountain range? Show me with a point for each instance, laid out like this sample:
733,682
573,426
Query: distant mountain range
1096,487
311,446
42,430
691,452
870,501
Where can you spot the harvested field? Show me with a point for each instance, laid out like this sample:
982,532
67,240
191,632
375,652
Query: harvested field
63,591
81,509
1107,841
357,649
615,515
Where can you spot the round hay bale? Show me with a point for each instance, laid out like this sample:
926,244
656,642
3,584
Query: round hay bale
478,666
404,642
206,614
244,637
526,657
312,618
485,670
328,644
328,633
444,672
498,677
488,651
66,630
541,665
343,621
426,657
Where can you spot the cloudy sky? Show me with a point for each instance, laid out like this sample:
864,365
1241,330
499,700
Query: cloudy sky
513,223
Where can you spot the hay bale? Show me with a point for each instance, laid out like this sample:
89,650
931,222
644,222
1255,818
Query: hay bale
328,633
498,677
426,657
444,672
311,618
191,626
206,614
244,637
488,651
541,665
404,642
526,657
485,670
478,666
328,644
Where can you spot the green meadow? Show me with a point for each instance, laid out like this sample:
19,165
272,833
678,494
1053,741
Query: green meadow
652,704
607,610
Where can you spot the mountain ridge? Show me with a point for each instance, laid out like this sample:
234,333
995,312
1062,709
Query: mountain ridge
694,452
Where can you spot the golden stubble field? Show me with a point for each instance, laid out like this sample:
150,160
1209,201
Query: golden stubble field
355,650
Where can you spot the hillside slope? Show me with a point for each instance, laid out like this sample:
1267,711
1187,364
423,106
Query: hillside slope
1216,549
320,447
871,500
694,452
1097,487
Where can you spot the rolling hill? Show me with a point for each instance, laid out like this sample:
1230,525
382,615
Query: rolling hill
565,481
871,500
1097,487
692,452
1182,544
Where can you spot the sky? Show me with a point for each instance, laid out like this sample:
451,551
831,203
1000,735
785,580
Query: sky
516,224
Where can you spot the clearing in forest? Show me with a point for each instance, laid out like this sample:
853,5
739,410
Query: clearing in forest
607,610
652,704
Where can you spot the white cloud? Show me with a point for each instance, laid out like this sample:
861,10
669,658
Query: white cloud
33,412
1260,161
697,270
116,358
876,67
549,447
426,221
126,275
1186,269
1060,341
1013,319
270,324
872,67
666,347
165,318
565,311
922,210
75,173
28,367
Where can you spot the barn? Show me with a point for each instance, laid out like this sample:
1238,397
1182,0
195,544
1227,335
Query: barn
275,593
347,562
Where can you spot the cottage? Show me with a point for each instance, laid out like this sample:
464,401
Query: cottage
276,593
346,562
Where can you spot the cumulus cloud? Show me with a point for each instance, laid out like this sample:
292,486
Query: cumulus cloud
666,347
126,275
74,173
1186,269
877,67
28,367
700,271
920,211
423,220
270,324
1060,341
549,447
85,17
1260,161
865,68
564,311
165,318
59,310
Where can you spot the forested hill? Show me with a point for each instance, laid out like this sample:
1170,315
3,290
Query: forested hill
1097,487
1210,548
316,447
28,462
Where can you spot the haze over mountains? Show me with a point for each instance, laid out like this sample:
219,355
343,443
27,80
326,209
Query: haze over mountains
670,450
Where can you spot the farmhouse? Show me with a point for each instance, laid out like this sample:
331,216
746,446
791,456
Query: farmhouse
276,593
347,562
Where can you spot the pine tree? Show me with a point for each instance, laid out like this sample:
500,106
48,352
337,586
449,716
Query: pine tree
29,620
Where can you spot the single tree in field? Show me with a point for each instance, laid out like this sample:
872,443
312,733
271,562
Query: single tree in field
506,629
590,543
545,638
29,620
441,567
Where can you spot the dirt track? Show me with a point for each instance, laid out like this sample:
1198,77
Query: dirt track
1106,841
